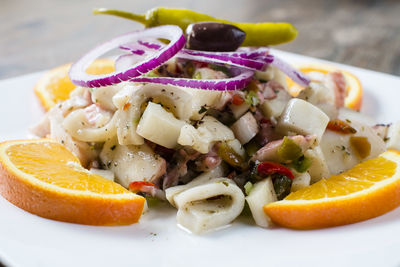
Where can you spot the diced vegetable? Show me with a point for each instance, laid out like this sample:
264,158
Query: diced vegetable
159,126
300,181
302,164
261,194
302,117
252,147
393,137
237,100
248,187
273,108
137,186
322,97
268,168
282,185
245,128
209,131
237,147
239,110
131,163
361,146
272,73
341,127
252,98
341,155
319,168
289,150
230,156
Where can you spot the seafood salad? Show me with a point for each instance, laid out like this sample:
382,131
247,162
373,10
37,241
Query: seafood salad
209,125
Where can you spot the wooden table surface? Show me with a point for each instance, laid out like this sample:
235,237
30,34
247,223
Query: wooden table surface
41,34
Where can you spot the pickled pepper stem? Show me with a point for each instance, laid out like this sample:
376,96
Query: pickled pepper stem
122,14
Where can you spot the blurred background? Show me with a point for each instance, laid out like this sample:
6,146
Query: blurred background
41,34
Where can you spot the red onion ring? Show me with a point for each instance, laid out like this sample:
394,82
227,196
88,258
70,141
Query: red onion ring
254,60
173,33
240,81
240,60
296,75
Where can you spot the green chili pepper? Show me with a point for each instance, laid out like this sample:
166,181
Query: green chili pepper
252,147
248,187
257,34
282,185
289,150
227,154
302,164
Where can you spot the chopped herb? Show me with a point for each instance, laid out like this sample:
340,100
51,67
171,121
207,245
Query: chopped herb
252,98
113,147
248,187
386,139
225,183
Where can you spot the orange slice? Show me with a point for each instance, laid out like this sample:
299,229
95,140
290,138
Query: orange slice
354,90
44,178
55,86
366,191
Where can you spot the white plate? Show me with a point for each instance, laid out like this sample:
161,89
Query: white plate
28,240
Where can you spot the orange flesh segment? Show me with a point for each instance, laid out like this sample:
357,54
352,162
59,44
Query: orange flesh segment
368,190
54,164
55,85
362,176
44,178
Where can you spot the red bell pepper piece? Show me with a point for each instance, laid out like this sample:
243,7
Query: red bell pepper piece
141,186
237,100
340,127
268,168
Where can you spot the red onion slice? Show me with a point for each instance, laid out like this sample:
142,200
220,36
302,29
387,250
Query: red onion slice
242,52
222,59
173,33
296,75
237,59
125,61
240,81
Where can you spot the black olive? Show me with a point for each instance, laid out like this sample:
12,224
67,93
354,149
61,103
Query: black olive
214,36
